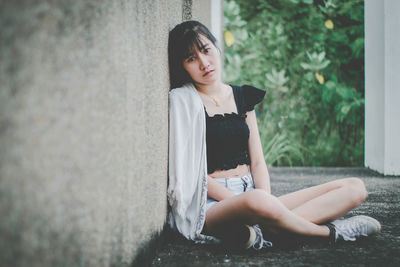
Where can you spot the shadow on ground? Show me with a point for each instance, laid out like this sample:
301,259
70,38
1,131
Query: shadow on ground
380,250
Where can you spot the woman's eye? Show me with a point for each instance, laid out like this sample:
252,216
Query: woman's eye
206,50
190,59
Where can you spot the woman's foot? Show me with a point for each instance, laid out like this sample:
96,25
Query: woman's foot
351,228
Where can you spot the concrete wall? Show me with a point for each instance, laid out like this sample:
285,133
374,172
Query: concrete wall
83,129
382,86
210,13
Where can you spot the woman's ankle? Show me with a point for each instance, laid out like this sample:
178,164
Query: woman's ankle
332,232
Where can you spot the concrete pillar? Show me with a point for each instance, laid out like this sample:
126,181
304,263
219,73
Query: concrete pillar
382,86
210,13
83,128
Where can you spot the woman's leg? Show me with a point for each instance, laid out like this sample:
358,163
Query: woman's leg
258,207
326,202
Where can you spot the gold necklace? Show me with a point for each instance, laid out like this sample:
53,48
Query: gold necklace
213,98
216,101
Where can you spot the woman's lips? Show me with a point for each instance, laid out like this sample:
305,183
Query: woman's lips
208,72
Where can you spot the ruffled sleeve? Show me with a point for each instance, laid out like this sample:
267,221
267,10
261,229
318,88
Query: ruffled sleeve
252,96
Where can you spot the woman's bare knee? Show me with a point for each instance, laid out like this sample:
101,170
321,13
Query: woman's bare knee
357,190
362,190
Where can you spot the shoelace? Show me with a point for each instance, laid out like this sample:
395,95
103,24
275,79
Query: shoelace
260,243
352,229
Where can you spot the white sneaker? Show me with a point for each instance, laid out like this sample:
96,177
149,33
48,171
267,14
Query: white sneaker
256,239
351,228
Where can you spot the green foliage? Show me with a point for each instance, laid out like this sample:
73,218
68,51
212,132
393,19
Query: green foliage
309,54
316,62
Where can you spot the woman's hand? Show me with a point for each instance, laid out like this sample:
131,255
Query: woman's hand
217,191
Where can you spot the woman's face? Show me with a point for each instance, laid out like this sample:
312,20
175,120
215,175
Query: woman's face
204,65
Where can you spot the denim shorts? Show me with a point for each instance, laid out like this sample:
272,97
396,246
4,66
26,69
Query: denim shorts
237,185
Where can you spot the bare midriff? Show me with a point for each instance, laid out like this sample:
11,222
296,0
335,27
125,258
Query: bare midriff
239,171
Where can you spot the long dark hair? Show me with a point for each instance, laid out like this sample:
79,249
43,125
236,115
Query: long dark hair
182,40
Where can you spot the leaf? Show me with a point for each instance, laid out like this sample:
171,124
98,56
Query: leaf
330,85
276,79
329,24
316,62
320,78
229,38
345,109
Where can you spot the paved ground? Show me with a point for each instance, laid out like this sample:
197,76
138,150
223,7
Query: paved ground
381,250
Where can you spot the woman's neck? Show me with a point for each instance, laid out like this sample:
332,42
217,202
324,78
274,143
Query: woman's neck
216,89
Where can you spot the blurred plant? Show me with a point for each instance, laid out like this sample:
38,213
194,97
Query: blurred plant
277,80
278,147
317,62
309,2
315,99
328,7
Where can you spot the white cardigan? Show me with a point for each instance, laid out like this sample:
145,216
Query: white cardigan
187,187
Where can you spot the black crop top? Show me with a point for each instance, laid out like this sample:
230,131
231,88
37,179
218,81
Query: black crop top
227,134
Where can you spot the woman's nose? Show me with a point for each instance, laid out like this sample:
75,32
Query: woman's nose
203,61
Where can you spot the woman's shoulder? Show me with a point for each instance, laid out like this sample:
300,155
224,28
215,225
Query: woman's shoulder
248,89
248,96
183,93
185,97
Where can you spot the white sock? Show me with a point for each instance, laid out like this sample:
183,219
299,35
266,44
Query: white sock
252,237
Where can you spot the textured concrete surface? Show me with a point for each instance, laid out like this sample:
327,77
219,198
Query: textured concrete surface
381,250
382,83
83,129
201,11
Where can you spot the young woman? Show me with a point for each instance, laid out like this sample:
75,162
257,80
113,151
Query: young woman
219,186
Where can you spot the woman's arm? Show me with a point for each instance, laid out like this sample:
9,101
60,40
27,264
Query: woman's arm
258,167
217,191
